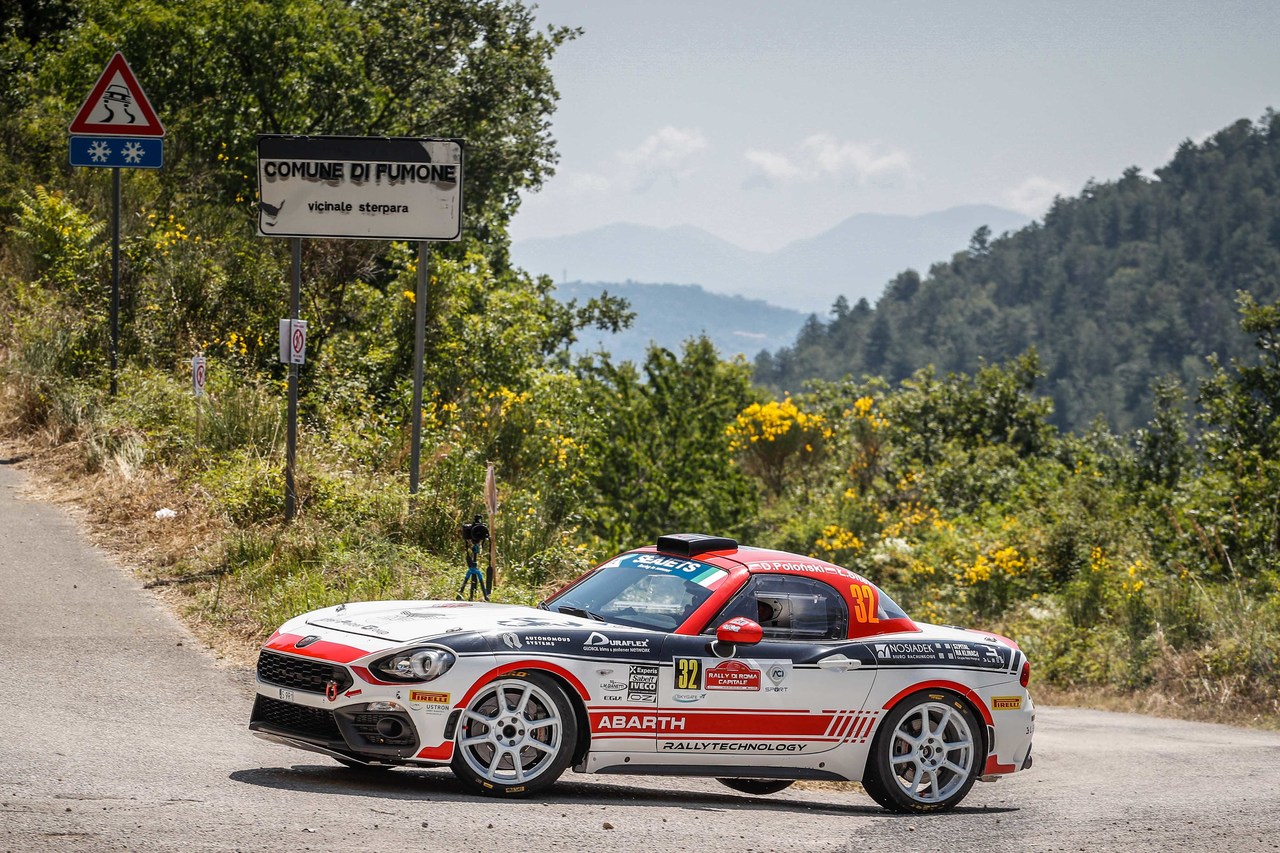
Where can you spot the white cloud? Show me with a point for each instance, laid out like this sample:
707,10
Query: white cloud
774,165
1034,195
823,157
669,148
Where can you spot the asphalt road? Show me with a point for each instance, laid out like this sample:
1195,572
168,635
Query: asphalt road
118,731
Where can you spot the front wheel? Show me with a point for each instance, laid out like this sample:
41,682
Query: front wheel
760,787
926,755
516,736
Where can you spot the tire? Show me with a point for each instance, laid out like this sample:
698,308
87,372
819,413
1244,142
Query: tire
760,787
516,736
927,754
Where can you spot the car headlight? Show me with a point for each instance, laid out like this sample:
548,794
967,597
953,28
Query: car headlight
415,664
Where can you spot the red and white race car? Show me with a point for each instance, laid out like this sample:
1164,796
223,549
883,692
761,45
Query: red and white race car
693,658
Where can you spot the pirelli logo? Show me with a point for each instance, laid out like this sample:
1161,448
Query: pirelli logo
1006,703
426,696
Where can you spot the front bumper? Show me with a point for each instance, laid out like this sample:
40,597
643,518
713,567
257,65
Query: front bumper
351,730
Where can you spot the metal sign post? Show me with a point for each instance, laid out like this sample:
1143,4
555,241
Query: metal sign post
419,347
115,274
291,436
116,128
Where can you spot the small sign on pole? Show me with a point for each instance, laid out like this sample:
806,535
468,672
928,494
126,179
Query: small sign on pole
293,341
198,374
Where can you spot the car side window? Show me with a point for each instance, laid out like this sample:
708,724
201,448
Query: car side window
789,608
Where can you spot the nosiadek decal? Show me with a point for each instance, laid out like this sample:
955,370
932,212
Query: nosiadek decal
977,655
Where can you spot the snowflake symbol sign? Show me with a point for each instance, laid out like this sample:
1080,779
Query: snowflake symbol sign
132,152
99,152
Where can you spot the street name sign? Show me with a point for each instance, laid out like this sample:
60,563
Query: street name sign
368,188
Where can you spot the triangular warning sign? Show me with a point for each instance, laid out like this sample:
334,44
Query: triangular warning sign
117,106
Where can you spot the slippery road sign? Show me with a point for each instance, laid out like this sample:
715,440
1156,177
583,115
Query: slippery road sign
117,106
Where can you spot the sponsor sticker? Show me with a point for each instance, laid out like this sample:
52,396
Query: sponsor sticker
640,723
721,746
597,642
1006,703
732,675
429,697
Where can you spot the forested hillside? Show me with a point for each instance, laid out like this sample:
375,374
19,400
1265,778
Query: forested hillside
1132,281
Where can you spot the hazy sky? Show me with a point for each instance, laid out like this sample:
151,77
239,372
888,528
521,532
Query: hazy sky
768,122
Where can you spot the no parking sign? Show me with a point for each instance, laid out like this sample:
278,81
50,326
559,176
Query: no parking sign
293,341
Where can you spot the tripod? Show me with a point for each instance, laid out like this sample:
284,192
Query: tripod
473,580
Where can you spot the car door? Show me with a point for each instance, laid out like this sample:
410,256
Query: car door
799,691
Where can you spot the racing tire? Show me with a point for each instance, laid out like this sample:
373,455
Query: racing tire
759,787
516,736
927,754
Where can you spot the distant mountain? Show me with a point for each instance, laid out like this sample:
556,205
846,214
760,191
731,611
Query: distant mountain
855,259
670,314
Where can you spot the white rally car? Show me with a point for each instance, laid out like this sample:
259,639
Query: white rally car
694,658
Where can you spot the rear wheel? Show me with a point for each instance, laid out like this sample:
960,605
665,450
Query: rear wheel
926,755
759,787
516,736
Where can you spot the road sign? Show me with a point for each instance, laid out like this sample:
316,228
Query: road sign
373,188
293,341
198,368
120,152
116,105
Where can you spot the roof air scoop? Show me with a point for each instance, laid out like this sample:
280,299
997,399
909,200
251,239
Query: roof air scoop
693,544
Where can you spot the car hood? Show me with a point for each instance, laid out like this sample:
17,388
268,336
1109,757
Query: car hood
406,621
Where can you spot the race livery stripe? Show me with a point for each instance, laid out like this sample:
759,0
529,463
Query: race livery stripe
945,685
704,723
321,649
443,752
523,666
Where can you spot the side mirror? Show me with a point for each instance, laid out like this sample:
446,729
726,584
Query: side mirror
739,631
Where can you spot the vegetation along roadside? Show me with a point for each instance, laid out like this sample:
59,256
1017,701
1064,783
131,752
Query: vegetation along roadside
1137,567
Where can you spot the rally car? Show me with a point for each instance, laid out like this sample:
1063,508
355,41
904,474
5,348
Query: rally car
696,657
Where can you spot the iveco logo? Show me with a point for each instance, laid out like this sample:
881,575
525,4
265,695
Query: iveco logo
305,641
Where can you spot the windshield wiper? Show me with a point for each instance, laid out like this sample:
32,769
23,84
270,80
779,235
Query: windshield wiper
581,612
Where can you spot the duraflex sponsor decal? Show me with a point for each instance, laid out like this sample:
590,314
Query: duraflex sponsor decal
598,642
732,675
717,746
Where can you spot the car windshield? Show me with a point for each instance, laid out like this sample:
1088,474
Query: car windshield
641,590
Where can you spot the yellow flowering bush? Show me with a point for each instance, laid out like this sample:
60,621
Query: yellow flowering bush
772,438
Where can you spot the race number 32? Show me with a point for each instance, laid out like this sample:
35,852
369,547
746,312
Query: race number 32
688,674
864,604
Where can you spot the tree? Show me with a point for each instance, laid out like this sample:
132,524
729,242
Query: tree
664,454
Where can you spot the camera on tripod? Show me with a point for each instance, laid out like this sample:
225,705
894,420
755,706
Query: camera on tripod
475,532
